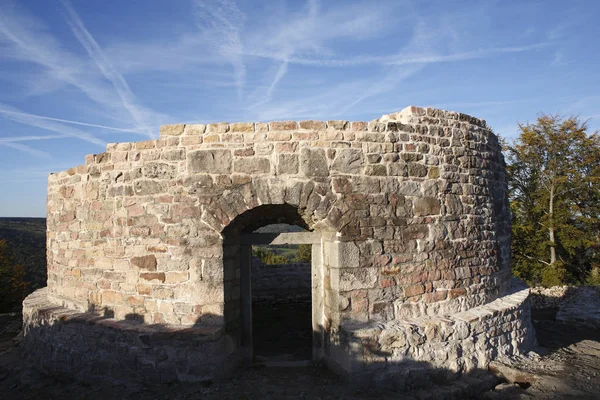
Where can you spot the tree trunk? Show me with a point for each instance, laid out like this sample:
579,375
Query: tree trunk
551,226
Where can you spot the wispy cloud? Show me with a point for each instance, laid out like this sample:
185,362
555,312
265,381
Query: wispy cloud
24,38
27,149
558,59
30,138
94,50
16,115
222,20
67,121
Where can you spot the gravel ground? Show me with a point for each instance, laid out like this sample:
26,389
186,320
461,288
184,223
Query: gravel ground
566,366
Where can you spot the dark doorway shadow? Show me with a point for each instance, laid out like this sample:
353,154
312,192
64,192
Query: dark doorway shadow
281,300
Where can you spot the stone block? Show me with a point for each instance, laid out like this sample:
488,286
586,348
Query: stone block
145,262
279,136
157,277
252,165
348,161
357,278
194,129
148,187
283,126
220,127
426,206
417,170
215,161
337,124
414,290
313,162
287,164
242,127
312,125
159,170
112,297
172,130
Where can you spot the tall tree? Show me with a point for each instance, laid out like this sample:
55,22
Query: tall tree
554,181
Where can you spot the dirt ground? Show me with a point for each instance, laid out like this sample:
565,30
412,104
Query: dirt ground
567,367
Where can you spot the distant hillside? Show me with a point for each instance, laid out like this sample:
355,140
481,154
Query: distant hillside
279,228
26,237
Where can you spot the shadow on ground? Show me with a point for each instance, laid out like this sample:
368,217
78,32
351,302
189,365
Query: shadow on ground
568,368
19,380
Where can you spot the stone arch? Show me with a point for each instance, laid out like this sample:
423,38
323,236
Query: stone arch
318,205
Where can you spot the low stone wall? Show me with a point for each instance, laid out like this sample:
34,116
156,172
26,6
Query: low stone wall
281,283
401,354
90,347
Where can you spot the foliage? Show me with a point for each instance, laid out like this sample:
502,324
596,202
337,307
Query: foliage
304,254
594,277
26,237
554,188
13,287
268,257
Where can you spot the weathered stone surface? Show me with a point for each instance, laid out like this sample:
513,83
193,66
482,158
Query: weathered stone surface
288,164
171,130
148,187
426,206
210,161
242,127
417,170
159,170
252,166
145,262
194,129
313,162
348,161
314,125
411,224
357,278
283,125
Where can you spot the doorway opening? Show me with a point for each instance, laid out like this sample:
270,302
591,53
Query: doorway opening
273,286
282,298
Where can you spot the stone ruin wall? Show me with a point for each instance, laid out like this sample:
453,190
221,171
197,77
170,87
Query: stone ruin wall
414,262
137,229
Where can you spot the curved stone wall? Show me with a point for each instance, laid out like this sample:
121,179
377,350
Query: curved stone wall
412,208
422,193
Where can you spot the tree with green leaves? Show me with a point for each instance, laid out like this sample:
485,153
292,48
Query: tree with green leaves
554,182
304,254
13,287
268,257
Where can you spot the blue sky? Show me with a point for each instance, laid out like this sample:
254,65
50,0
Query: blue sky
75,75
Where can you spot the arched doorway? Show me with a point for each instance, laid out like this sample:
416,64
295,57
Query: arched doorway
238,238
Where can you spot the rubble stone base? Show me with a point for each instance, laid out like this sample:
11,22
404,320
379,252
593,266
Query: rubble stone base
398,354
410,353
90,347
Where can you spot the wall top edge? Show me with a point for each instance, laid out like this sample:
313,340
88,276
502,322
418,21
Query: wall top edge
395,121
410,114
